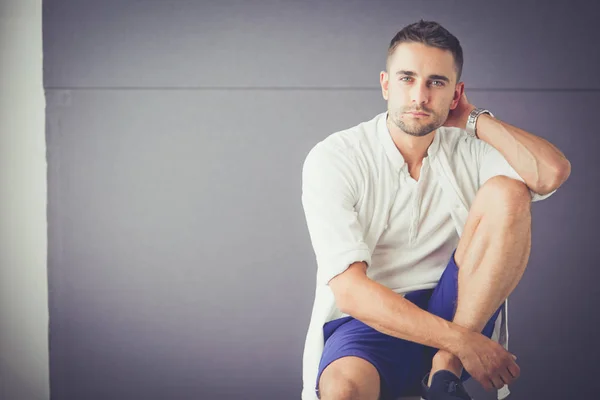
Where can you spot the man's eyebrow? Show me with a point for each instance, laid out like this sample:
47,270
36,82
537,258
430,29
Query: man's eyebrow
440,78
435,77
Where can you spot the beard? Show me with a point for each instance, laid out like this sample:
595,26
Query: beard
418,126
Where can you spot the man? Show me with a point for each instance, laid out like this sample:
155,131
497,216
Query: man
421,225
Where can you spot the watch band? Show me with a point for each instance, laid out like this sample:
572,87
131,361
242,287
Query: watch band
472,121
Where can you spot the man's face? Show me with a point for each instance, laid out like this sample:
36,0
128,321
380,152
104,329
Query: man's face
420,87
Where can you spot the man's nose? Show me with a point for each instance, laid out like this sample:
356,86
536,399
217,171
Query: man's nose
420,94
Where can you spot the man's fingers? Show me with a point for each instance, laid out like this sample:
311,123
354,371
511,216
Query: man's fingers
507,377
486,383
497,382
514,370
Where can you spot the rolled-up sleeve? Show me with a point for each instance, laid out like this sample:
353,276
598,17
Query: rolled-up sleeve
492,163
330,187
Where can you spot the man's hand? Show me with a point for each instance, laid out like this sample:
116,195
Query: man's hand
488,362
458,117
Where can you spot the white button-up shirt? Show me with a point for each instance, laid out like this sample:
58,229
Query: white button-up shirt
361,204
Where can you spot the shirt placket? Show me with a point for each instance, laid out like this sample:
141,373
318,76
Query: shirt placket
416,197
414,219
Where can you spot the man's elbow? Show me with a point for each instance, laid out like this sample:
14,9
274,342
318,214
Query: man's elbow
563,172
344,286
554,180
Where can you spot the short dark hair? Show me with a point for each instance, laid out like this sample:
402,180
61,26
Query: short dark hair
432,34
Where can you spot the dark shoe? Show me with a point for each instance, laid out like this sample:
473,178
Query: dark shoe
444,386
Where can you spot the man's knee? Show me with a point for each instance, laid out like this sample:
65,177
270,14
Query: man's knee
339,389
349,378
502,193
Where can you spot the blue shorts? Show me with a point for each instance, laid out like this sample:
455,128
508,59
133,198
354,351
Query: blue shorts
401,364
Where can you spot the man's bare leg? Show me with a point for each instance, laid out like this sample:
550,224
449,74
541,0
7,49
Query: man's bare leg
492,255
349,378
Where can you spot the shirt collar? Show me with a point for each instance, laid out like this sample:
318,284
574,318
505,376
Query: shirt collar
392,151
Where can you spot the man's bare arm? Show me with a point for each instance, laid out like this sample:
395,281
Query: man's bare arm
379,307
382,309
541,165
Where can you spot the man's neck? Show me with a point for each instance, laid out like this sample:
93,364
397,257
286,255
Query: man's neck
412,148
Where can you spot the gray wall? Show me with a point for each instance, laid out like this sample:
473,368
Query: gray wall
180,266
23,226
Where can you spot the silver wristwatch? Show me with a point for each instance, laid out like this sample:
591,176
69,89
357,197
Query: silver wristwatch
472,120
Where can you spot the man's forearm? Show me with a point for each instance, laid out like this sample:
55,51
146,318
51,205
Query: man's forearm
390,313
541,165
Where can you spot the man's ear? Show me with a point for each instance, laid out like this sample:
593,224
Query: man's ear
458,92
384,82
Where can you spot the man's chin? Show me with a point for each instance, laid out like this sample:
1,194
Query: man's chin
418,131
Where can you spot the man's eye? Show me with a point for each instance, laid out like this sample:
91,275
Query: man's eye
437,83
405,78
